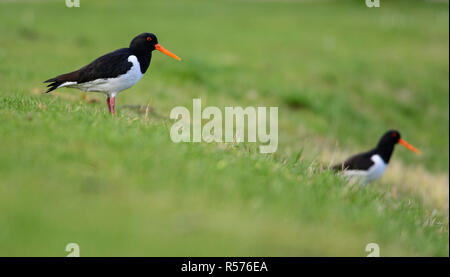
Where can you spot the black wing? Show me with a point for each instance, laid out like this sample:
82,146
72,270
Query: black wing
361,161
107,66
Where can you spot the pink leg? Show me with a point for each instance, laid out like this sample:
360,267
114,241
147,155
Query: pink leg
108,103
113,104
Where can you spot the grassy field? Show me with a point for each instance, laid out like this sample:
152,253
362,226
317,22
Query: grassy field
340,73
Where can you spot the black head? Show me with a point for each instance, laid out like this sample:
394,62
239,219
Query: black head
390,138
388,141
146,43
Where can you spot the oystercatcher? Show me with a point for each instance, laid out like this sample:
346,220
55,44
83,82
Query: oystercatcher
115,71
370,165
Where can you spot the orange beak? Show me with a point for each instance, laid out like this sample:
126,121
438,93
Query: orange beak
409,146
167,52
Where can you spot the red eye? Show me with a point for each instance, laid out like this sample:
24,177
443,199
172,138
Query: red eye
149,39
394,135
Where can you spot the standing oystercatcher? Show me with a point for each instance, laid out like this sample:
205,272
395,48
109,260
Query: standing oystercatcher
370,165
115,71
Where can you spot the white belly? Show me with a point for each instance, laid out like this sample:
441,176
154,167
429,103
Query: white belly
373,173
112,86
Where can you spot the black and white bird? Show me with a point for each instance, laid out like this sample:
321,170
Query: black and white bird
115,71
370,165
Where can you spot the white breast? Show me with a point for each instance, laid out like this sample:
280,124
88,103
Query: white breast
112,86
373,173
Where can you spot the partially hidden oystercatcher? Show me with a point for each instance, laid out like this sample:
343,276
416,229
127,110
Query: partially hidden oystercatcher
115,71
370,165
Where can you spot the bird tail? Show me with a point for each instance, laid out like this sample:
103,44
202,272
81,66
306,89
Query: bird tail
54,84
60,80
338,167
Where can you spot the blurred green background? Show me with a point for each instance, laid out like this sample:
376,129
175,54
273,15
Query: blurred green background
341,74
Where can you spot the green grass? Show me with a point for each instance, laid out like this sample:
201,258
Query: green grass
340,73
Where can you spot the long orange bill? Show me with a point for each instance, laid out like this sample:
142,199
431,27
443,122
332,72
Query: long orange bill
167,52
409,146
